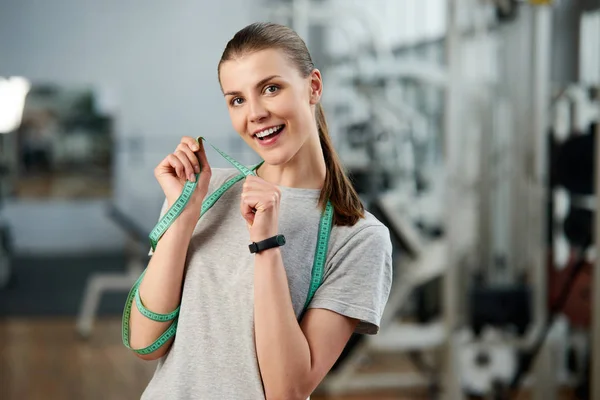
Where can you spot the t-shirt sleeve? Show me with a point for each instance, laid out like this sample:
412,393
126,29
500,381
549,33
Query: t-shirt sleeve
358,281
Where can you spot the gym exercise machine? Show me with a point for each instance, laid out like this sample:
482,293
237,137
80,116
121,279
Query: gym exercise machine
416,263
5,236
576,112
136,252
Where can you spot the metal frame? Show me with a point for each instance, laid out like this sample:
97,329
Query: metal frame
452,158
545,377
595,329
595,336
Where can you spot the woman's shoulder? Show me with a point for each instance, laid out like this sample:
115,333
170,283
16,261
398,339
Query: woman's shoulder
368,222
367,231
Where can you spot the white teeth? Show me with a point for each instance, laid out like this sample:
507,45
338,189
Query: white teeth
268,132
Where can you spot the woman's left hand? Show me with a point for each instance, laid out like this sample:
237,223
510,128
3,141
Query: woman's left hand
260,208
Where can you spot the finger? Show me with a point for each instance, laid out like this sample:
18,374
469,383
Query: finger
260,200
176,164
276,195
187,165
191,156
247,211
248,185
255,180
256,183
164,166
250,199
190,142
201,153
266,195
272,200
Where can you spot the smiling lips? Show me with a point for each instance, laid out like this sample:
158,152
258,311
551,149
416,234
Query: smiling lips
269,136
269,131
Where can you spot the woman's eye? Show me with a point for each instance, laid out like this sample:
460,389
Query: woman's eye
236,102
271,89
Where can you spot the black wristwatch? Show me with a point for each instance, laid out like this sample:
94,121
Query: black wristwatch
275,241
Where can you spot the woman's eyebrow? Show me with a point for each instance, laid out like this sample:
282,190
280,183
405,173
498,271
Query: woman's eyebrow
259,84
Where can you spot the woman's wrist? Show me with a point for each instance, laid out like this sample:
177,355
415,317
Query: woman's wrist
186,223
263,234
192,210
268,257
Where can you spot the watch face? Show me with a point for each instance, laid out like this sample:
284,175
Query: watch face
280,240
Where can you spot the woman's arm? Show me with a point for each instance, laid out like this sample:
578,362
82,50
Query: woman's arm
293,359
160,290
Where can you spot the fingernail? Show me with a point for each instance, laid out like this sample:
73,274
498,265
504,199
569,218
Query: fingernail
197,169
192,177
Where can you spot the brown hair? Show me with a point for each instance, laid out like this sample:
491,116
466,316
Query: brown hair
338,189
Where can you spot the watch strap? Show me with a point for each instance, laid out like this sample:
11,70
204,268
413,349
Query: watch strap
274,241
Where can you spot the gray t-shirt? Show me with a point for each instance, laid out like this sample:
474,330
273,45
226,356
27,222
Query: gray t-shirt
213,355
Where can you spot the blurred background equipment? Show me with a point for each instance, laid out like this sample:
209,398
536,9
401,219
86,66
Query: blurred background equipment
13,92
467,126
64,145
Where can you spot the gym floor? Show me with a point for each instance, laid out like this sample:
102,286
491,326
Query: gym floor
44,358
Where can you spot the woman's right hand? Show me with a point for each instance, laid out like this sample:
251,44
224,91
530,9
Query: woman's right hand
182,165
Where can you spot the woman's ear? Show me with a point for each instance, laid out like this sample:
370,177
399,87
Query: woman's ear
316,86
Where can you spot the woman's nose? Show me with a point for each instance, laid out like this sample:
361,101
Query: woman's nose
257,111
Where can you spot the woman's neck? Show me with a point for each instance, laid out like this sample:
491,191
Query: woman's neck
306,170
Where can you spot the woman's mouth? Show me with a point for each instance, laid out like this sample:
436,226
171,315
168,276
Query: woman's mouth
269,136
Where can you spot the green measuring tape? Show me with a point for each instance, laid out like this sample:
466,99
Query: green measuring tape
167,220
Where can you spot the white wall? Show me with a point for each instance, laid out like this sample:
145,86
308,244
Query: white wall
156,63
395,23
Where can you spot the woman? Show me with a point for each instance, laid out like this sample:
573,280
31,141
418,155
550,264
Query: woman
242,328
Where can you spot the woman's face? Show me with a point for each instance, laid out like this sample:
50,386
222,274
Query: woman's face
271,106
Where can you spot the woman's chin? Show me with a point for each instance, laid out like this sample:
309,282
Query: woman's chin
276,158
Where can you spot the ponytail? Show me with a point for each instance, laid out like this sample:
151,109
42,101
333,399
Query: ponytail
338,189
